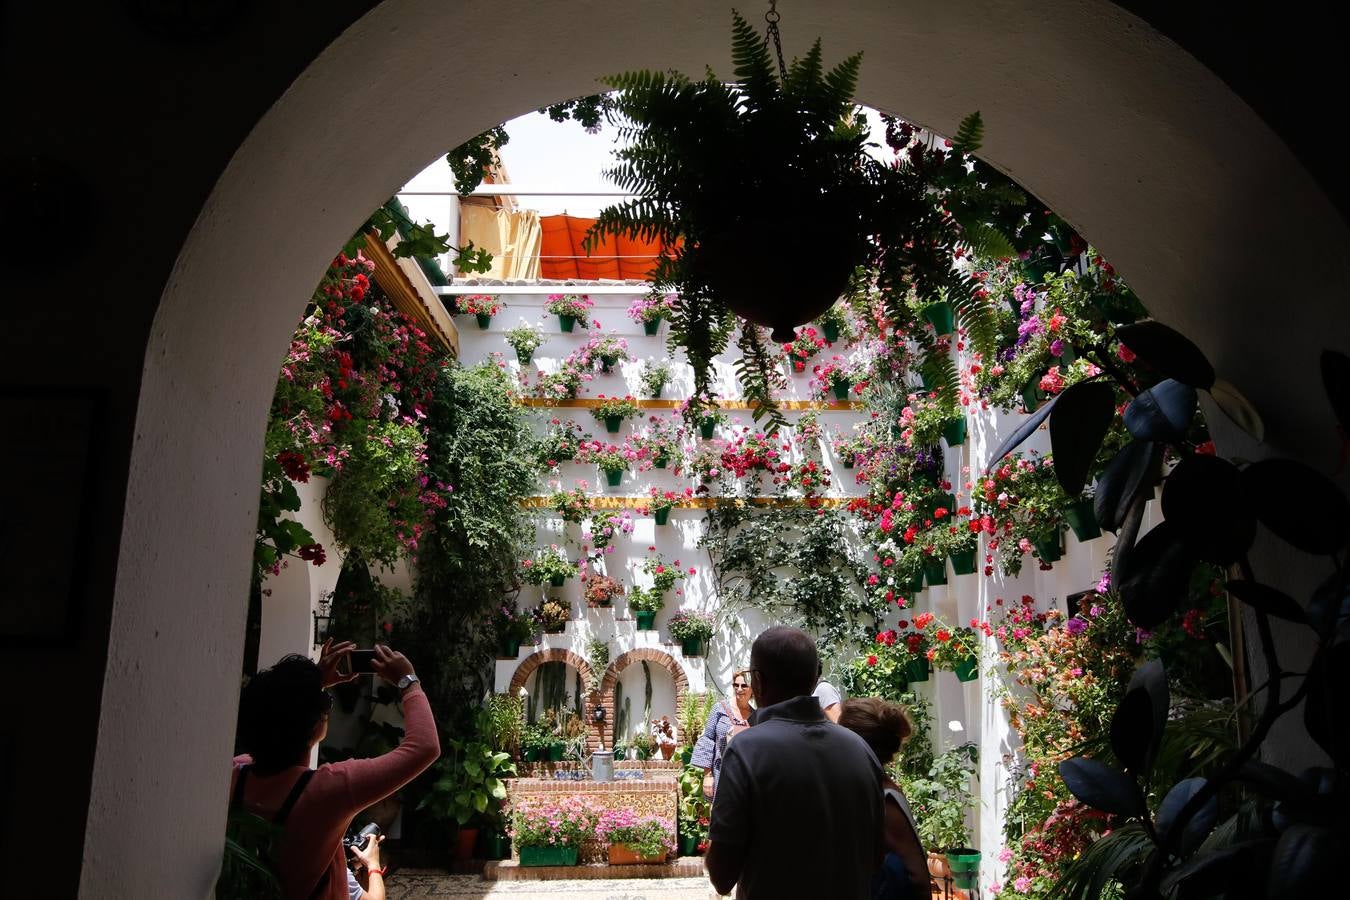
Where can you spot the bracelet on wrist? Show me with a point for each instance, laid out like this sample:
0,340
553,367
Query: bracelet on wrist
380,871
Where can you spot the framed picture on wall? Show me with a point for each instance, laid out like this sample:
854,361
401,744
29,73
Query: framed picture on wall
46,487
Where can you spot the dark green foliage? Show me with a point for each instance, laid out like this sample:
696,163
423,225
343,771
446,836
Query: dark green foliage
799,566
469,159
728,169
480,444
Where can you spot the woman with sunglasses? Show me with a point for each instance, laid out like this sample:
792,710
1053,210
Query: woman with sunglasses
728,719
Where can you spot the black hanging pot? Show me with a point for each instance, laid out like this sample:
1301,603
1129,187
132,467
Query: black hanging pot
756,267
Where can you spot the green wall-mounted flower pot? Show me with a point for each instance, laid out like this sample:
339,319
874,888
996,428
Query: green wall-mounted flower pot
705,428
555,752
942,316
567,323
967,669
1032,395
661,462
917,669
613,424
484,320
935,571
841,389
653,326
662,516
607,363
693,646
646,619
524,357
963,561
1083,520
1050,547
557,580
508,648
831,331
613,479
954,432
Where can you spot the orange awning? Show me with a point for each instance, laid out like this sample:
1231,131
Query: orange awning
562,256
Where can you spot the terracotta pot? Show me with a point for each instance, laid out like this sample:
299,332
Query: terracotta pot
624,855
667,751
937,865
465,842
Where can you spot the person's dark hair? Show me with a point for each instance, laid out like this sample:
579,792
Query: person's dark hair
883,725
279,709
786,658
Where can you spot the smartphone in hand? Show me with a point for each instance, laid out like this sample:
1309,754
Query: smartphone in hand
362,662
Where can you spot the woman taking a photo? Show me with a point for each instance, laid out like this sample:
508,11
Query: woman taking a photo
727,720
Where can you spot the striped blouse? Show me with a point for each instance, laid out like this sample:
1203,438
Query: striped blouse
712,744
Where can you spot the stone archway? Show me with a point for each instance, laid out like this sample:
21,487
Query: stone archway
642,654
529,664
1167,189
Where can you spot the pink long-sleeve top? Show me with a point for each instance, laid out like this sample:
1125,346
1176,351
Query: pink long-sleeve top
336,793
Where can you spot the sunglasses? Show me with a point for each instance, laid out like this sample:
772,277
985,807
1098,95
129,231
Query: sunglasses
740,686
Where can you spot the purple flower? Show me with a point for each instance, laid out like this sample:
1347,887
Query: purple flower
1057,347
1075,626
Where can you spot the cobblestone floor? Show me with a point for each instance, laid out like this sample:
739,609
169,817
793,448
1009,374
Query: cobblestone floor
416,885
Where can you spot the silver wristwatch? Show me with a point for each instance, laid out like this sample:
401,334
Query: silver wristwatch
407,681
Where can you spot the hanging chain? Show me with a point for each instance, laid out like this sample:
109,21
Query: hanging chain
772,17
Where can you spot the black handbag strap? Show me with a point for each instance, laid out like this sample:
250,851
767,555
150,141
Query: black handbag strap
237,801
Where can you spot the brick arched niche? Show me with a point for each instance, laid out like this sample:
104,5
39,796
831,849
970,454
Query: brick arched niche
535,660
645,654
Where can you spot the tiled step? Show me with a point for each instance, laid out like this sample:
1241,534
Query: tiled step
509,870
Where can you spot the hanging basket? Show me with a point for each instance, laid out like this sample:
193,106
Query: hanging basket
963,561
1083,520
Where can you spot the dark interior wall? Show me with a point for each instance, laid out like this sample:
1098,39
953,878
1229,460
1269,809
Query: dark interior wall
145,120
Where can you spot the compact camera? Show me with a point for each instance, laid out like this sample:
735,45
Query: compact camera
362,837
